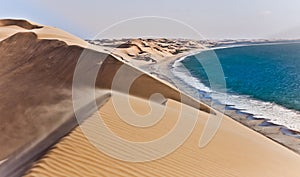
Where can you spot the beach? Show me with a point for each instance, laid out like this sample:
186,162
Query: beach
52,142
163,69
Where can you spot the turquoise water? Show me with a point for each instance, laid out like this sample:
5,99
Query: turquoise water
258,77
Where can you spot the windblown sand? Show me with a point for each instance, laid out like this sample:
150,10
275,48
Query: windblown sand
38,64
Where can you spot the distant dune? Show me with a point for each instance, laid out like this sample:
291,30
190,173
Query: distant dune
141,51
41,137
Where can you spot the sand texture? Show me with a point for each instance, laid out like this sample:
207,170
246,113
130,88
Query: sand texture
235,151
36,77
41,137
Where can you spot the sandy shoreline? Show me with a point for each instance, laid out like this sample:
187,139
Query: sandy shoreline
162,70
279,133
51,143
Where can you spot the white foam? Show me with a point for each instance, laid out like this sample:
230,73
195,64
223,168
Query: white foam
181,72
260,109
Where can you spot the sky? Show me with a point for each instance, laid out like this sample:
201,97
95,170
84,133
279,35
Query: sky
208,19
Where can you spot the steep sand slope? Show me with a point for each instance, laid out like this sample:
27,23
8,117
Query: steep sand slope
37,67
36,78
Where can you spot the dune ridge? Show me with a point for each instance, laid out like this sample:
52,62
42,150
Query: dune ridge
9,27
245,153
37,114
161,67
36,77
21,23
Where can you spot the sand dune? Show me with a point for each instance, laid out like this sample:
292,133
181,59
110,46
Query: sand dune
21,23
235,151
149,50
36,77
37,69
8,27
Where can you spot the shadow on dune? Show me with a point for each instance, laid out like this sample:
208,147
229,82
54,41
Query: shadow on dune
36,85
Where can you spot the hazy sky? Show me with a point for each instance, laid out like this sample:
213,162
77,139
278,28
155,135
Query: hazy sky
213,19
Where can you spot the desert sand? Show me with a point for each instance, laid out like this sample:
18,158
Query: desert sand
157,56
235,151
41,137
139,52
11,27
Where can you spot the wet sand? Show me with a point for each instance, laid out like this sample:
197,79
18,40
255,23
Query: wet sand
40,135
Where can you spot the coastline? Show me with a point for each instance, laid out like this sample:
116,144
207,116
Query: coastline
53,142
258,111
243,147
279,133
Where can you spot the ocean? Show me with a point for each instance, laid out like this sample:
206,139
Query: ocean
263,80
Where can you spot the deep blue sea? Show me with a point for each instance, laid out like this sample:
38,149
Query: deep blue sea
262,79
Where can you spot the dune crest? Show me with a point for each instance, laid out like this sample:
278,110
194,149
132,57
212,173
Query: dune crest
9,27
36,76
235,151
21,23
40,134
